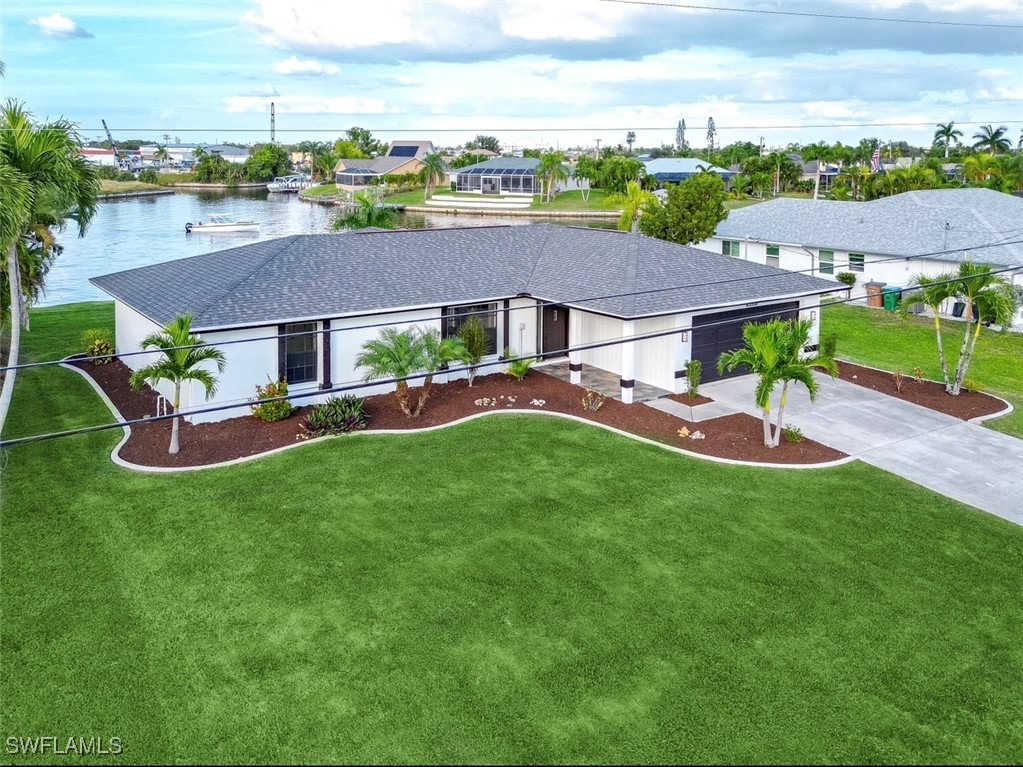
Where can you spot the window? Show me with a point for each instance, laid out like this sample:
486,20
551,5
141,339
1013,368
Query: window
456,316
773,256
300,353
730,248
827,262
855,262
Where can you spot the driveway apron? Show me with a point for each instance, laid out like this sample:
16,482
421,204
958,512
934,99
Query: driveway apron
961,460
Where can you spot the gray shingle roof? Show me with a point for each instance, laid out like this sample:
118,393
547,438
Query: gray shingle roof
331,275
909,224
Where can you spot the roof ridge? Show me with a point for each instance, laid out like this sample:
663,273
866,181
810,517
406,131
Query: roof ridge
536,261
230,289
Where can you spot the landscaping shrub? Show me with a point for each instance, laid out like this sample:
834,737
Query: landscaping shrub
277,410
517,369
336,416
593,400
693,372
829,345
149,176
793,434
98,346
474,346
846,278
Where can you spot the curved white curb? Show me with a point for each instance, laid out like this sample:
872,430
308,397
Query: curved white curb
116,458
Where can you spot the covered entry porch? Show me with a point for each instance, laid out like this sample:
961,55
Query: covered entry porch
603,381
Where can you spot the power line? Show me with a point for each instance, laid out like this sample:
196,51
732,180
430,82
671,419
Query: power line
838,16
539,303
350,386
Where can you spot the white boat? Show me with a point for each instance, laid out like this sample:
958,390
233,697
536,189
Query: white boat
293,183
218,224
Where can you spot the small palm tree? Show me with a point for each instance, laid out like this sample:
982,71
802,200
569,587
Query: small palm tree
633,202
400,354
179,364
995,300
552,170
981,168
161,154
946,135
432,173
992,139
774,353
364,213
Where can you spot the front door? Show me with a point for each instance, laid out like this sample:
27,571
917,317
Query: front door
491,185
554,333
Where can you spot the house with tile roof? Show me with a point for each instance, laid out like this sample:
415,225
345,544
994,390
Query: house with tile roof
301,307
889,240
402,157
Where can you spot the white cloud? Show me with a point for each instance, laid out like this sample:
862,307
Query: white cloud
295,66
56,25
563,20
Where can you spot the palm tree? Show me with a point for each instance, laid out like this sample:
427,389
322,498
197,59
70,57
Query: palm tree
633,202
931,292
819,153
53,185
992,139
995,301
980,168
946,135
774,352
179,364
365,213
400,354
161,154
431,173
552,170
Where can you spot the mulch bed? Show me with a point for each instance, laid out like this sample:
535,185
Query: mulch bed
738,437
929,394
685,399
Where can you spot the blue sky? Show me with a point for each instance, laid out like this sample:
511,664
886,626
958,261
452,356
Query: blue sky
533,72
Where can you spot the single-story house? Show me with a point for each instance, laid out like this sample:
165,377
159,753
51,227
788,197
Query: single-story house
543,290
808,171
675,170
402,157
888,240
501,175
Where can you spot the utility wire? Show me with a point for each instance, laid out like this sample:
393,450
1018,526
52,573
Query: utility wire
837,16
417,376
539,304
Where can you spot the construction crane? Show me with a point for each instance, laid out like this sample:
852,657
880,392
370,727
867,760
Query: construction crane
113,146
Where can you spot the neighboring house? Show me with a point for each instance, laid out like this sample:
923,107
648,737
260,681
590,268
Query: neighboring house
675,170
887,240
542,289
808,171
237,155
402,157
501,175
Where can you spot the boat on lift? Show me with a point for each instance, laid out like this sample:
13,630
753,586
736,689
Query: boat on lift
292,183
218,224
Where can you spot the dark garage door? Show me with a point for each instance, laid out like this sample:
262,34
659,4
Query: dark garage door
725,334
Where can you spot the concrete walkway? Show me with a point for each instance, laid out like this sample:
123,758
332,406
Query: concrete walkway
961,460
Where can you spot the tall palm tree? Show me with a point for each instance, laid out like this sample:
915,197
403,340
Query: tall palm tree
161,154
632,202
995,301
56,186
819,153
432,172
365,213
946,135
552,170
400,354
178,365
931,292
774,352
992,139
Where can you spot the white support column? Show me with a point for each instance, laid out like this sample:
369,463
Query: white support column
682,351
628,382
575,358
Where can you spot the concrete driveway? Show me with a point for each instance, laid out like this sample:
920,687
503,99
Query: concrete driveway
961,460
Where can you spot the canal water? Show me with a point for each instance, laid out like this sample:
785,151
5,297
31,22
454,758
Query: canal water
132,232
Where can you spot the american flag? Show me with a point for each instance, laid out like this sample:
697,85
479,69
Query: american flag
875,161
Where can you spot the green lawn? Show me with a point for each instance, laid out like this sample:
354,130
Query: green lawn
512,590
886,340
107,186
322,190
573,200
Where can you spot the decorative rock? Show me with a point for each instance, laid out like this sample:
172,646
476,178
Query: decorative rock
538,402
683,432
697,435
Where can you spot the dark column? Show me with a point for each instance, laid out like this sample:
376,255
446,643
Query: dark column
326,356
282,355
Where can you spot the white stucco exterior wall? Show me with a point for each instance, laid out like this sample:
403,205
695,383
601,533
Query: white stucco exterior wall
655,357
594,328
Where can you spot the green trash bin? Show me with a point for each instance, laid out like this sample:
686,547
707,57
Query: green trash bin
892,295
